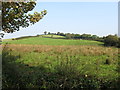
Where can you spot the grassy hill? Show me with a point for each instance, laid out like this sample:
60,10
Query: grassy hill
52,41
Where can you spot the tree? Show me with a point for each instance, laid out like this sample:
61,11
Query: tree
111,40
15,15
77,36
69,36
48,32
2,34
45,32
84,36
119,42
62,34
94,37
58,33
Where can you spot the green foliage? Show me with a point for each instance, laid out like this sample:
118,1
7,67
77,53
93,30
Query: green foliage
45,32
62,34
119,42
14,15
69,36
111,40
48,32
85,36
78,36
94,37
58,33
100,39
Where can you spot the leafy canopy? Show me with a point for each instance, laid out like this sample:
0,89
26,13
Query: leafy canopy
15,15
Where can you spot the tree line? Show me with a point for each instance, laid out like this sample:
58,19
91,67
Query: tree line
74,36
110,40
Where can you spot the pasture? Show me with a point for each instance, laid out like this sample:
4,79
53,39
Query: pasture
52,41
46,63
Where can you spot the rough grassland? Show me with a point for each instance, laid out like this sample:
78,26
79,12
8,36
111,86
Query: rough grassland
49,63
60,67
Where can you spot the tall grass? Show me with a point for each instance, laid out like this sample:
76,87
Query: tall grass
60,67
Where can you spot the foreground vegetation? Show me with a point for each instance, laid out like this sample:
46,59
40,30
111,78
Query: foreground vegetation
60,67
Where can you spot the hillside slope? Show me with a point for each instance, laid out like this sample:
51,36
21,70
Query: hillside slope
52,41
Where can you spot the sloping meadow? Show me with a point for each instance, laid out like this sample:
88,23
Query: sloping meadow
66,67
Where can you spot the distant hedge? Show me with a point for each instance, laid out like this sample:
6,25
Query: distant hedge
23,37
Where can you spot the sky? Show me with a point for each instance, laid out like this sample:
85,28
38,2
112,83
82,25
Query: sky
96,18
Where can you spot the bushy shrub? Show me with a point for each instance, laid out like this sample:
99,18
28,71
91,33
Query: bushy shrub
119,43
111,40
108,61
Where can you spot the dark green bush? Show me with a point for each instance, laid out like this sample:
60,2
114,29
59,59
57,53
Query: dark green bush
111,40
108,61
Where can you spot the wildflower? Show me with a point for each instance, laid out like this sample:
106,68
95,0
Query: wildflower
86,75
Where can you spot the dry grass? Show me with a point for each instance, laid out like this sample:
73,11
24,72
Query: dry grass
73,49
56,63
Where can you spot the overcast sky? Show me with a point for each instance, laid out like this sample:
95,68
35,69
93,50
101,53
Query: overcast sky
99,18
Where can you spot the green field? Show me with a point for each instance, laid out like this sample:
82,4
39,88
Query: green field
49,63
53,41
53,36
